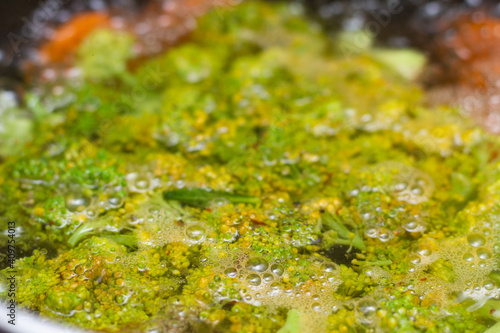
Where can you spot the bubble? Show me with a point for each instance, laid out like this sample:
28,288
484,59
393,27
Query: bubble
367,308
115,201
327,267
476,240
316,306
421,181
400,186
91,213
371,232
154,210
468,257
275,286
411,226
76,200
369,271
268,277
257,264
489,285
195,232
483,253
253,280
385,236
277,269
218,202
142,184
424,251
231,272
415,259
417,190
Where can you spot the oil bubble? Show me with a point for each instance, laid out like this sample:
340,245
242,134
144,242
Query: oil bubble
277,269
367,308
468,257
327,267
195,232
253,280
231,272
257,264
483,253
316,307
268,277
476,240
75,201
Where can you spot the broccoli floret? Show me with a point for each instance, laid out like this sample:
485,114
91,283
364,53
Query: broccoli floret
239,183
104,54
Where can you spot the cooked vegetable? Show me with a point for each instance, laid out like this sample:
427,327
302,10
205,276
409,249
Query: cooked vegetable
252,179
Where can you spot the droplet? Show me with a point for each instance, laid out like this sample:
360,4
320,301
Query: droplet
371,232
231,272
411,226
424,251
268,277
275,286
370,271
277,269
257,264
195,232
115,202
468,257
483,253
316,306
328,267
385,235
476,240
489,285
367,308
218,202
421,181
142,184
400,186
91,213
417,190
253,280
415,259
75,201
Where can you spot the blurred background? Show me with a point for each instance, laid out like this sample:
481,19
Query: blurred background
416,22
461,39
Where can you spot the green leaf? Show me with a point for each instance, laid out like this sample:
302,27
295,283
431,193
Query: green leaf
198,197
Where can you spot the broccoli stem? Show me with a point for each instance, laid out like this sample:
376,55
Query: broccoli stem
345,237
83,231
87,230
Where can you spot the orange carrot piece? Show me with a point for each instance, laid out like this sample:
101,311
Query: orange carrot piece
68,37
